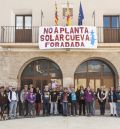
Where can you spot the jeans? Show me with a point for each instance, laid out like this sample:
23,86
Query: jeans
73,108
12,108
118,108
89,108
93,107
46,107
53,108
65,108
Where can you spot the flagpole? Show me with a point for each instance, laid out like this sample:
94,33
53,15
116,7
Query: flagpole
94,18
41,17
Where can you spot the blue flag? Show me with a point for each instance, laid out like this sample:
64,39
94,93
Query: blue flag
81,15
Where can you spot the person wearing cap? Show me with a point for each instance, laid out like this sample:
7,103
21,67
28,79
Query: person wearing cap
13,99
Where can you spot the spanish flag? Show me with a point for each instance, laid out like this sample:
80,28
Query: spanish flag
56,15
68,22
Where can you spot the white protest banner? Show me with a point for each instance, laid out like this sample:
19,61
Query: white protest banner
57,37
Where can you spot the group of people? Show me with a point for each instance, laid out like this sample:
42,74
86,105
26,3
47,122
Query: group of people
31,101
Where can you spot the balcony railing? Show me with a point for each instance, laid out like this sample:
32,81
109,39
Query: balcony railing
12,34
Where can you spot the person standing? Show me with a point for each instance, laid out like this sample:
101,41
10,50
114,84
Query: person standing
31,102
38,101
3,102
13,99
118,101
60,110
73,100
94,101
46,101
53,102
112,99
24,101
81,100
102,95
64,98
89,100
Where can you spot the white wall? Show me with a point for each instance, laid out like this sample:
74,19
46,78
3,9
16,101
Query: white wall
8,8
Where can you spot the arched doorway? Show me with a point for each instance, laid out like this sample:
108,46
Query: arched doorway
94,73
41,72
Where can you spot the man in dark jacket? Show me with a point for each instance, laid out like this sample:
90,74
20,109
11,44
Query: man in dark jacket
81,100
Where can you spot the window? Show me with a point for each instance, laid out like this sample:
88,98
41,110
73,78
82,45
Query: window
111,21
96,73
23,21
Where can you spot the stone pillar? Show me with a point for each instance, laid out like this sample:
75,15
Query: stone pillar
67,81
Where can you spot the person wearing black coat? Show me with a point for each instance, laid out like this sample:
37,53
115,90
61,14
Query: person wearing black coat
38,101
112,99
81,100
102,95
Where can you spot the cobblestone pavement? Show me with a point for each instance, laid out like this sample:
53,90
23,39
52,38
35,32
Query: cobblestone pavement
60,122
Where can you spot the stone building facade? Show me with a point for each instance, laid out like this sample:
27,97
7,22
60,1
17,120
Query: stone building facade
15,57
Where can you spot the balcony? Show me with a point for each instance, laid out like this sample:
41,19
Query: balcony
12,34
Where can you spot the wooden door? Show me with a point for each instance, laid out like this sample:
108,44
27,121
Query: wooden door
23,29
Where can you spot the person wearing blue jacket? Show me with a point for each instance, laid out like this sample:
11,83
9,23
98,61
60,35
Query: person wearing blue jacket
112,99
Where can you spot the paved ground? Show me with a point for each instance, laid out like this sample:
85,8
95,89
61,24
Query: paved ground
59,122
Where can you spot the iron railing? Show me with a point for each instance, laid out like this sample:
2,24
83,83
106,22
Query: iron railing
12,34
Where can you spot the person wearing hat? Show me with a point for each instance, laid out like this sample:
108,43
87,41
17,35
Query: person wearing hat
13,99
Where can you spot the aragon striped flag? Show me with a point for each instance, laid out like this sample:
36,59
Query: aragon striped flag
56,15
68,22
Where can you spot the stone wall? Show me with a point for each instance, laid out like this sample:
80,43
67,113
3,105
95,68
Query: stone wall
12,63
